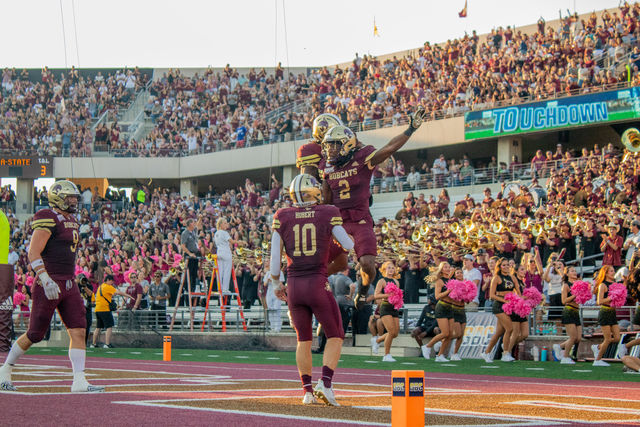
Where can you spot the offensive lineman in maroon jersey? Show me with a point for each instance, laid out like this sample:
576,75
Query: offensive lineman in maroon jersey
347,174
304,231
52,254
308,158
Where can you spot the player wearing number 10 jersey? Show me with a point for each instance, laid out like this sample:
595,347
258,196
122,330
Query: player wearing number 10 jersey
52,253
304,232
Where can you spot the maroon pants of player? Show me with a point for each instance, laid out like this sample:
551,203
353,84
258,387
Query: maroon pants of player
311,295
70,306
363,236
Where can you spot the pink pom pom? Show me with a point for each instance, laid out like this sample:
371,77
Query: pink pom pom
396,296
582,291
618,294
78,270
177,257
522,308
154,257
511,300
115,268
457,289
30,281
532,297
471,291
18,298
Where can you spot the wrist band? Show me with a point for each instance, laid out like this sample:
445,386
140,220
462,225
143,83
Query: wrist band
37,263
409,131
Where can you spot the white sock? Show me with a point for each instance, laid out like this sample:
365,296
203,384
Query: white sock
424,346
77,357
14,354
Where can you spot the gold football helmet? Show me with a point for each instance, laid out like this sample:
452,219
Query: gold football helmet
346,141
322,124
305,190
61,196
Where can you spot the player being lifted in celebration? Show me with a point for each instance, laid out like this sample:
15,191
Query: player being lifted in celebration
52,254
308,159
347,174
304,232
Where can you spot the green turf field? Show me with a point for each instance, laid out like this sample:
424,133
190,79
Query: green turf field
553,370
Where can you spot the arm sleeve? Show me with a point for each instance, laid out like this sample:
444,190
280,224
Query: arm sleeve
276,242
341,236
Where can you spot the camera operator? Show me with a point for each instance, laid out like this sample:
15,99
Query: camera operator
87,294
190,252
159,293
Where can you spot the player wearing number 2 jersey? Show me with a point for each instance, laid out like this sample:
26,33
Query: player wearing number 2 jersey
347,171
304,232
52,253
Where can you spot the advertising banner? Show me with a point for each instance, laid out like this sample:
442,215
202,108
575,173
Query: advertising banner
480,327
572,111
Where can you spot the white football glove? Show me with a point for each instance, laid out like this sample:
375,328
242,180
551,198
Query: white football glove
51,288
416,119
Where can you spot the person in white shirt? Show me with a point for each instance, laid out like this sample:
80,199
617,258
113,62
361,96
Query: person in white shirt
472,274
86,198
107,231
223,243
13,256
632,241
274,304
413,178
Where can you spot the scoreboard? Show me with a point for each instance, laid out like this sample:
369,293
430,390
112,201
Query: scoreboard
26,167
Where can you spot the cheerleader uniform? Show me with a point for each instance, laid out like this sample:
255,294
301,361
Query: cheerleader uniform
444,309
607,314
506,285
571,313
385,308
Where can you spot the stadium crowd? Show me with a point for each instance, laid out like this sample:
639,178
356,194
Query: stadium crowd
54,116
225,110
585,200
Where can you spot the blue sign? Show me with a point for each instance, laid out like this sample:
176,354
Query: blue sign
399,389
571,111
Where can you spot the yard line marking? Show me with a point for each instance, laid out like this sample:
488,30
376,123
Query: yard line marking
135,352
534,369
245,413
490,367
273,358
241,357
582,370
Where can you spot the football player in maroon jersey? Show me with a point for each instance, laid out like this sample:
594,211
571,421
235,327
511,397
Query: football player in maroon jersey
52,254
347,174
308,158
304,232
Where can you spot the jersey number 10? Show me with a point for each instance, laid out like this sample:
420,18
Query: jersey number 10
308,237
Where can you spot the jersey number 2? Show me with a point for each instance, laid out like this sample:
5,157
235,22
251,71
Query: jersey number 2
344,189
309,246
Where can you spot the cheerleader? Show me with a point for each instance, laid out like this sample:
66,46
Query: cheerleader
443,312
388,314
459,319
607,315
503,282
520,324
570,319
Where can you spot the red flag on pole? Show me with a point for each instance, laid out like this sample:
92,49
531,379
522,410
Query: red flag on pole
463,12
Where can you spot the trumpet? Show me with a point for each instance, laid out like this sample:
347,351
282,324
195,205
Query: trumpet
497,227
454,228
424,229
525,224
549,224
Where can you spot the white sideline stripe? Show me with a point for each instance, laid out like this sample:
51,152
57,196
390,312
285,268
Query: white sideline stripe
384,376
245,413
576,407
